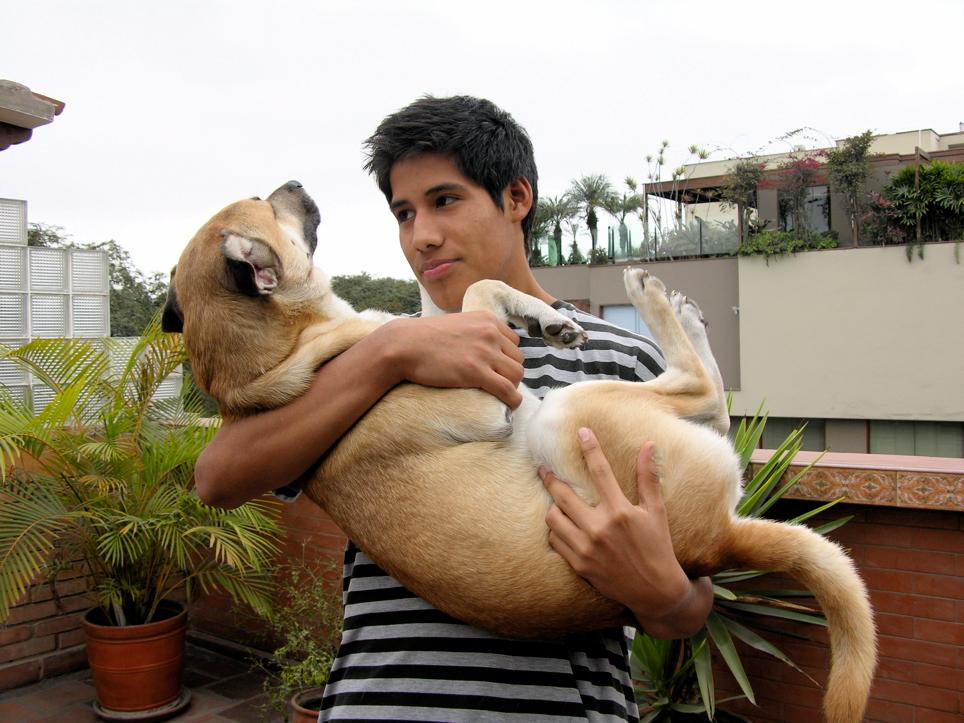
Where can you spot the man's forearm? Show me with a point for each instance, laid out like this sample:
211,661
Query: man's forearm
257,454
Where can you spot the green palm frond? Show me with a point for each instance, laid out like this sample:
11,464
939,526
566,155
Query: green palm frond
733,609
108,482
31,519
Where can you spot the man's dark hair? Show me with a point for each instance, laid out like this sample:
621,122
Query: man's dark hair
486,144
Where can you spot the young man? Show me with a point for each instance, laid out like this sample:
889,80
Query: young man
460,178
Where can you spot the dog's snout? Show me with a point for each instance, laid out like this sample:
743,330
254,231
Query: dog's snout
291,189
291,199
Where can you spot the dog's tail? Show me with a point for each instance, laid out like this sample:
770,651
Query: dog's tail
829,574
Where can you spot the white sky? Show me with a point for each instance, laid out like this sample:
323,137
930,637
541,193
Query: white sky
175,109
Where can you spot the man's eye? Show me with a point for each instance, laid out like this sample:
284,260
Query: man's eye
444,201
403,215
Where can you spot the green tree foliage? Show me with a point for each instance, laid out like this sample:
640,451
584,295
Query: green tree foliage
42,234
554,211
848,166
590,193
134,297
739,190
362,291
796,176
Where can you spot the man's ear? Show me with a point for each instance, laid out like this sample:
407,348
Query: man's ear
252,267
172,320
519,198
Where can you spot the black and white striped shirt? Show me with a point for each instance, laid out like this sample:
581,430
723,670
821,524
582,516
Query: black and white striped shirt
402,659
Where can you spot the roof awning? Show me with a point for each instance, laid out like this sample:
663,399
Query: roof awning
22,110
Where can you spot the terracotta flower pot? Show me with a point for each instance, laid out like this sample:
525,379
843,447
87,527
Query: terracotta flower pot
137,667
305,706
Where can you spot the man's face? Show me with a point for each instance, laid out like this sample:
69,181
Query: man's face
451,231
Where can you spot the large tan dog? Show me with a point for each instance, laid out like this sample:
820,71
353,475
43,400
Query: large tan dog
440,486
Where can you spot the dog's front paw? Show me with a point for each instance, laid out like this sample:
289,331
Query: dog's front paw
556,329
687,311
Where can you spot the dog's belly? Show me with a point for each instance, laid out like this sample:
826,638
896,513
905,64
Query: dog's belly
463,524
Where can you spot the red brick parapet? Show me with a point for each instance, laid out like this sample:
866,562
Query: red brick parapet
932,483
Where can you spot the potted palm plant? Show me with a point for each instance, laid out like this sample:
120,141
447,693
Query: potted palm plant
100,481
675,677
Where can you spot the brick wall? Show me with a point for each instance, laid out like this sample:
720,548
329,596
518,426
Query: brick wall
913,564
43,635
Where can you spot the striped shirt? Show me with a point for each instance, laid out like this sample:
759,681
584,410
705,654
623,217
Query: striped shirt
402,659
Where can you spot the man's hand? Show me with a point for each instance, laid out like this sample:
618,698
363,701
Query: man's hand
624,550
466,350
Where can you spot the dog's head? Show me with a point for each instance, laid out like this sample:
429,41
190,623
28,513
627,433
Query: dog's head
253,248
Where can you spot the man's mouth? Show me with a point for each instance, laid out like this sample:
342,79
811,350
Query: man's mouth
436,269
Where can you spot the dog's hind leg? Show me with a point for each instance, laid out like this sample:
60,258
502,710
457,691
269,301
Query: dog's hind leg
538,317
687,386
694,326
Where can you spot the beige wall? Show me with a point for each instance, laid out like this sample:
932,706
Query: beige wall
853,334
845,334
711,282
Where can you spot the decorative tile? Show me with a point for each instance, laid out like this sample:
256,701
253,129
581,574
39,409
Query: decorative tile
819,484
935,491
874,487
924,490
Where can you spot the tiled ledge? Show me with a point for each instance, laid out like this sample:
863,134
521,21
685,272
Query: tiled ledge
932,483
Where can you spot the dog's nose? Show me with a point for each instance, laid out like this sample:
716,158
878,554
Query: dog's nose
294,184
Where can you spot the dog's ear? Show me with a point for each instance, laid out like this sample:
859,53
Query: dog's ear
252,267
172,319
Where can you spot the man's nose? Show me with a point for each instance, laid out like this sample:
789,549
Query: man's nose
426,233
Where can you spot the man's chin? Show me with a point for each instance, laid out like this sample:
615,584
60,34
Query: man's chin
446,297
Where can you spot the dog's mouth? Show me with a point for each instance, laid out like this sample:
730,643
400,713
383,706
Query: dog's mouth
253,268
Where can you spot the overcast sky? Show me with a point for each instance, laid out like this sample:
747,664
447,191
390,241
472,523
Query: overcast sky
175,109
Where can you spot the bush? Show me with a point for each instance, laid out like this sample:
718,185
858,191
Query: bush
780,243
307,621
938,203
599,255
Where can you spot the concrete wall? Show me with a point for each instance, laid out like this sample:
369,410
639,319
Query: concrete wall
853,334
711,282
846,334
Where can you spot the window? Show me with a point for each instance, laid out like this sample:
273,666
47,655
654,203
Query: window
626,316
816,210
926,439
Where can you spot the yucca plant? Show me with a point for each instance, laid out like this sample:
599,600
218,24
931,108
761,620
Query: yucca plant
100,481
676,676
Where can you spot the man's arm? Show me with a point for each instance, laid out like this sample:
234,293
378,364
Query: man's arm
257,454
624,550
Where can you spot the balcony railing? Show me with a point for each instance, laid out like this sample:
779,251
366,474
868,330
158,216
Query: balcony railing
693,239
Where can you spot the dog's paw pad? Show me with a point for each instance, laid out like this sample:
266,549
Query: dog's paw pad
559,332
640,285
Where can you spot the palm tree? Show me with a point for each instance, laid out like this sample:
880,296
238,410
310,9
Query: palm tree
590,193
619,207
554,211
101,479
